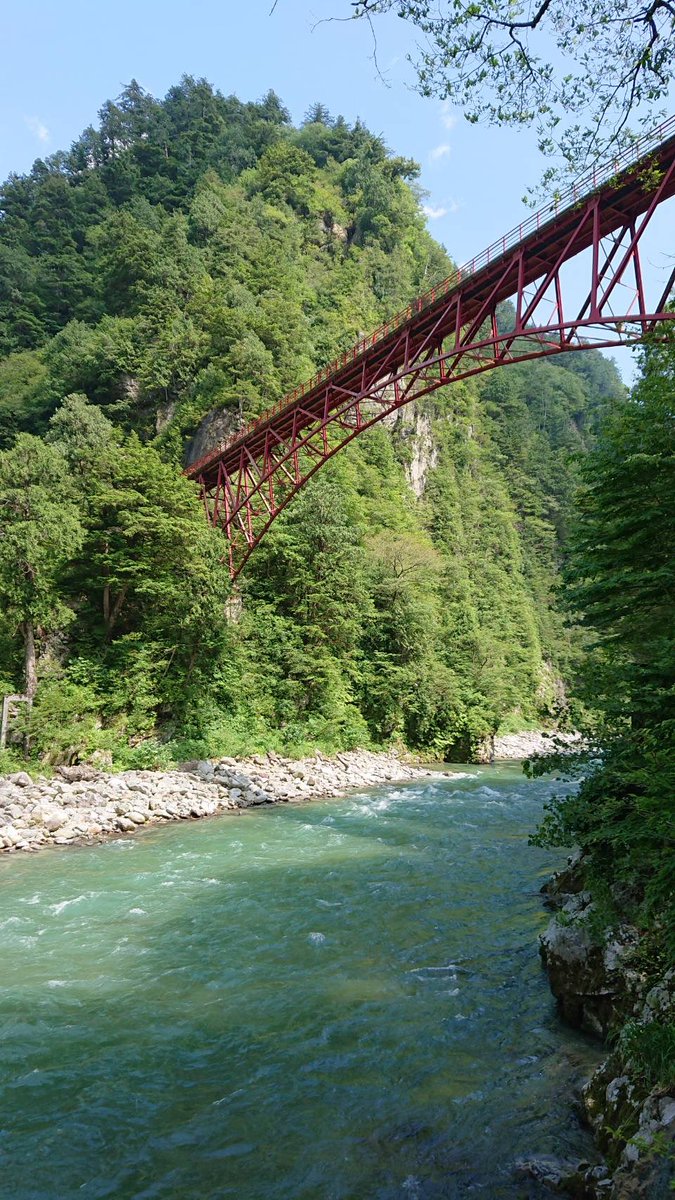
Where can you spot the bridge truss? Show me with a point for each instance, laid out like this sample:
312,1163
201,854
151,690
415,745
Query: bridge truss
452,332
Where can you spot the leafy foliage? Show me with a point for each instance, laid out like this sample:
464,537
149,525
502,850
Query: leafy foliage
650,1051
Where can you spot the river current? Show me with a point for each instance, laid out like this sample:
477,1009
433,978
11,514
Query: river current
334,1001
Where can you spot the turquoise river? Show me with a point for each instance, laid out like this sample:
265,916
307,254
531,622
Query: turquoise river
335,1000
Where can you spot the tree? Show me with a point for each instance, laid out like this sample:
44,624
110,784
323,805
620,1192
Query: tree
81,432
40,532
621,586
317,114
577,72
622,572
150,582
284,175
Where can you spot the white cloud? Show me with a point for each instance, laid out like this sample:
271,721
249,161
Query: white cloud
448,118
433,213
439,152
37,128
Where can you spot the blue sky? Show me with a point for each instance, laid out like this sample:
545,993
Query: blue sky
62,60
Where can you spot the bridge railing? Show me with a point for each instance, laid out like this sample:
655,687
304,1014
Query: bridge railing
582,187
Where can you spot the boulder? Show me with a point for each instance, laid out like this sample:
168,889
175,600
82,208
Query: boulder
10,836
21,779
591,982
78,772
54,822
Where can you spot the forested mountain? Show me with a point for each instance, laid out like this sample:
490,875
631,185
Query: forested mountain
178,270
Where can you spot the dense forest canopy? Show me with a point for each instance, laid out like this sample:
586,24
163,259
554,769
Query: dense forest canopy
179,269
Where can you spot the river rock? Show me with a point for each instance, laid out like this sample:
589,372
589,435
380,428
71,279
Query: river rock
577,1180
53,823
21,779
84,802
77,772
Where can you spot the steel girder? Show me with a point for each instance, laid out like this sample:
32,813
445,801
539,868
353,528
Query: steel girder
452,333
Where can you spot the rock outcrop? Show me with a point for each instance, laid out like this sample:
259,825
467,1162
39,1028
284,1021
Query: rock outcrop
599,985
217,426
593,982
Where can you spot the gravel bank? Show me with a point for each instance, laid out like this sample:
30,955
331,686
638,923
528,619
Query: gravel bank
524,745
83,804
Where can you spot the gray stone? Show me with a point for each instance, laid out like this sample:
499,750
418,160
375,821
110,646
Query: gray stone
22,779
78,772
549,1171
53,823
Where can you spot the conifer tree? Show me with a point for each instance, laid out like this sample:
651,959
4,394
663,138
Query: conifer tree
621,585
40,532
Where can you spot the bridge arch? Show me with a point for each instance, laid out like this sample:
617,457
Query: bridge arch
452,332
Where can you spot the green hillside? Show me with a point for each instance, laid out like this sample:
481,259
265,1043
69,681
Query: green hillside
178,270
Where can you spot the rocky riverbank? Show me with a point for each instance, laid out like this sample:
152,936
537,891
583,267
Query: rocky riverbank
525,745
603,985
83,804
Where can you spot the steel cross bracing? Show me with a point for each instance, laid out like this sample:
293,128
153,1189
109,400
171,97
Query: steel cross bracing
453,332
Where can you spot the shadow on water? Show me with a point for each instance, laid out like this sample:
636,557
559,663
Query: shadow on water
340,1001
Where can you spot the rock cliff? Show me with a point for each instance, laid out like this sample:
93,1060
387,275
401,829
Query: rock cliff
603,985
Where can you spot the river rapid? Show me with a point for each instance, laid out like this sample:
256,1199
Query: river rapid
334,1001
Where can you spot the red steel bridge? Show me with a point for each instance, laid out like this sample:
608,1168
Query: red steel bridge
452,332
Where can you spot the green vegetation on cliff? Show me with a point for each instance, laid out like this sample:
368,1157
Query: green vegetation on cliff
180,268
620,582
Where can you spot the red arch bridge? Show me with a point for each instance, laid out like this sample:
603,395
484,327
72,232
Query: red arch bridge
452,332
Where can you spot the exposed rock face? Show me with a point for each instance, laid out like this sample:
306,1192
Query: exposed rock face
424,452
414,428
598,989
165,414
81,803
216,427
635,1130
328,225
595,988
